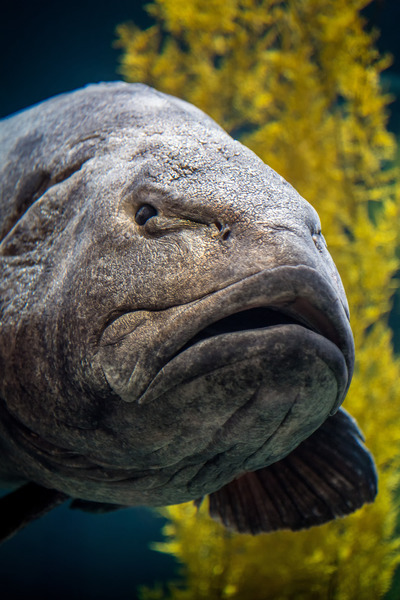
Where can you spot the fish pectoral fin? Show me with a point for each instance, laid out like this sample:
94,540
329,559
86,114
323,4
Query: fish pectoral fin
24,505
329,475
95,507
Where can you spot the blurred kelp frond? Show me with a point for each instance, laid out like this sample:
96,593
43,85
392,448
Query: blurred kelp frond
299,83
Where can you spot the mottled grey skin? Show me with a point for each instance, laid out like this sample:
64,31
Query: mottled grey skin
97,400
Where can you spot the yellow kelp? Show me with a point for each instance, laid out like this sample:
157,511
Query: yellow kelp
298,82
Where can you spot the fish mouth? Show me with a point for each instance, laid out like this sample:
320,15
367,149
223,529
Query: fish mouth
301,312
180,341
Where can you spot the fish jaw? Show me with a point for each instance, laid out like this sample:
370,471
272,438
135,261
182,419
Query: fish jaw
211,408
199,434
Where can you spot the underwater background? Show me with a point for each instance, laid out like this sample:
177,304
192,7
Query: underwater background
49,48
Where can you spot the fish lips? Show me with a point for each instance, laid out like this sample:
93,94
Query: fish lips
294,314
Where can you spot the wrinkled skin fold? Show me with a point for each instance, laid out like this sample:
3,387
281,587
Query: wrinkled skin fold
172,324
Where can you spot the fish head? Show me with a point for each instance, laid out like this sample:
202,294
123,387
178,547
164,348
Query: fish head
175,317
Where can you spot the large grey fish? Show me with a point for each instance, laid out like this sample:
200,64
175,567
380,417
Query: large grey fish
172,324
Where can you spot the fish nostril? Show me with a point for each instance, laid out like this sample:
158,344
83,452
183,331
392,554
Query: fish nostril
223,230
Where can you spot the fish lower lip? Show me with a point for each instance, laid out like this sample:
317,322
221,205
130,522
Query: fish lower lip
213,353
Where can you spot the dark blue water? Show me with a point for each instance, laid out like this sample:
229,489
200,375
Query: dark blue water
71,554
49,47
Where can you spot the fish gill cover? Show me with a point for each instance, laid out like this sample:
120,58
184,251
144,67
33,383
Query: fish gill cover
299,83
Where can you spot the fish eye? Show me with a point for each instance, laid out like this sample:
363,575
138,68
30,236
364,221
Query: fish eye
144,213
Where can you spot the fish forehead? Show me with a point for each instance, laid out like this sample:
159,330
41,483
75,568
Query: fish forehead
185,150
215,172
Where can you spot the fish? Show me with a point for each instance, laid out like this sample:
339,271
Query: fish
172,326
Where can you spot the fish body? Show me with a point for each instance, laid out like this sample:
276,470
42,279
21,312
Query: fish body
172,323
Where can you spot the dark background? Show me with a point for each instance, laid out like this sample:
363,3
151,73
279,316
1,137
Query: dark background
48,47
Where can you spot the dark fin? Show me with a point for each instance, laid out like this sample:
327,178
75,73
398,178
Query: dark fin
95,507
330,474
24,505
